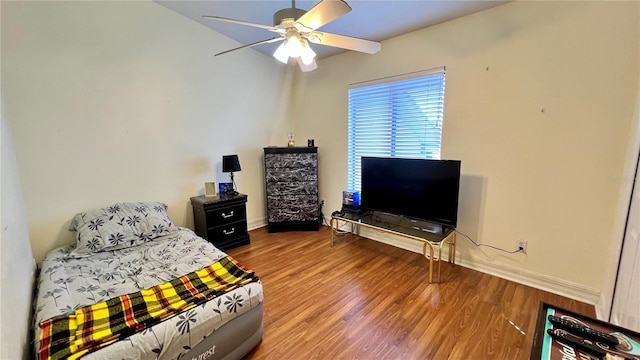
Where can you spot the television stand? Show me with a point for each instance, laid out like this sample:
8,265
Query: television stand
430,235
432,229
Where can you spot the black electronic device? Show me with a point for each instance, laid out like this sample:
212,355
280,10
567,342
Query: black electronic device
338,213
418,188
351,202
351,198
577,342
584,331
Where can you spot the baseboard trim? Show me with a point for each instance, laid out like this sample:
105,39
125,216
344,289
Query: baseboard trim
257,223
536,280
525,277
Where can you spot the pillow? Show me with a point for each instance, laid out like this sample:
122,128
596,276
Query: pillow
119,226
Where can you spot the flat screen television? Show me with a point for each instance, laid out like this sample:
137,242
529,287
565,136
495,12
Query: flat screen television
417,188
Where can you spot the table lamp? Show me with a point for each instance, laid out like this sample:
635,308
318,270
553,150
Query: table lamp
231,164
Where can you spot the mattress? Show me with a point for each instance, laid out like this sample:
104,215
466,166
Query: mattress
67,282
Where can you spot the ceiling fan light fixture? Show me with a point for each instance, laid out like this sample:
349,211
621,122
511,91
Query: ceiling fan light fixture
281,54
307,55
293,44
296,28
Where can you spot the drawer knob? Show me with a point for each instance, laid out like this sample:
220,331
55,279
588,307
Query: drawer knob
229,232
226,216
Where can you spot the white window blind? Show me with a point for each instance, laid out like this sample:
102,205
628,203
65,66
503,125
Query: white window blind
395,117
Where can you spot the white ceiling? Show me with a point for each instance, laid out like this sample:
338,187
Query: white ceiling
370,19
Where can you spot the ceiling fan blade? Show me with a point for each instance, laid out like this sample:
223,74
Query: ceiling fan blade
306,68
323,13
241,22
279,38
345,42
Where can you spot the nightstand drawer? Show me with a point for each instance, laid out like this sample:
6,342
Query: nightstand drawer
226,215
222,234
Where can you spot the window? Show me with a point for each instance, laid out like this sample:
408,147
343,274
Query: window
399,116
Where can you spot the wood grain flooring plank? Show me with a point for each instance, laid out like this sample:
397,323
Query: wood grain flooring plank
363,299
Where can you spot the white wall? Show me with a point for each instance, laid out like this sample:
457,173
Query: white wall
124,101
625,313
547,177
16,264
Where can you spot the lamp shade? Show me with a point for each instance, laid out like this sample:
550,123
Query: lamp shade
230,163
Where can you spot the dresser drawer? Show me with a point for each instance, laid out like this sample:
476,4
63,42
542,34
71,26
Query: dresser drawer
292,208
292,188
290,161
225,215
308,203
307,174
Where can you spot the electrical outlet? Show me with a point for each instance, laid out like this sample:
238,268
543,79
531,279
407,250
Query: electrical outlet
522,245
322,201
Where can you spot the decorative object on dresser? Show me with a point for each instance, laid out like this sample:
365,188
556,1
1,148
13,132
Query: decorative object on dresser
221,220
225,189
231,164
291,176
209,189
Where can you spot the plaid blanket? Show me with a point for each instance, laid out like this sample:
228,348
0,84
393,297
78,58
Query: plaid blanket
95,326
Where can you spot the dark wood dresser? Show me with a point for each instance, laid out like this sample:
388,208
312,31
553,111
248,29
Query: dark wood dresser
222,220
291,176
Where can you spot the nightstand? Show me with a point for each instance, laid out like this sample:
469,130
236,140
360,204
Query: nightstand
222,220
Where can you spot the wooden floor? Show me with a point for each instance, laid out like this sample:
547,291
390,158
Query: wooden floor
366,300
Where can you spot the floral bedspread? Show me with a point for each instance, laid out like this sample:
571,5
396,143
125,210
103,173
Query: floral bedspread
67,283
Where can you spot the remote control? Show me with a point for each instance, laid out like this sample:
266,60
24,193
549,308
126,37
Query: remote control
577,342
584,331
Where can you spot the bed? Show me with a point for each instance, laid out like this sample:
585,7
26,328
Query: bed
133,249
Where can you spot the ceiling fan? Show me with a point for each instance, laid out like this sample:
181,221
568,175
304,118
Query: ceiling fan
297,27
